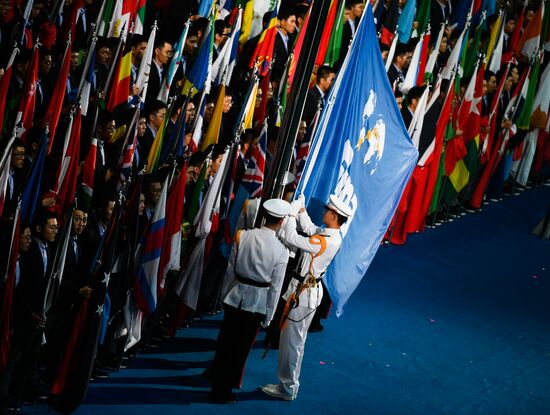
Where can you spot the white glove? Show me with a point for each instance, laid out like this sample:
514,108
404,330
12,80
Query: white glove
302,200
294,208
265,323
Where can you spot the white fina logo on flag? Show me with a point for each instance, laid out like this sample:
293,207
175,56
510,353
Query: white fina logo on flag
374,139
374,136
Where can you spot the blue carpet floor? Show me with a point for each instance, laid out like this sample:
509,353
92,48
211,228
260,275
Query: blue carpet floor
457,321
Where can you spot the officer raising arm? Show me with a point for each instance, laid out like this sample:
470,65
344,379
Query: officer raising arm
305,291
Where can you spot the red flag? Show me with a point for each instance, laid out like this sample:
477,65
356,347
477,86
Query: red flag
171,244
120,90
4,85
327,31
434,156
263,54
88,173
68,169
28,100
9,289
260,113
56,104
423,59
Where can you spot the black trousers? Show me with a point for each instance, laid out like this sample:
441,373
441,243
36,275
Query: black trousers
237,334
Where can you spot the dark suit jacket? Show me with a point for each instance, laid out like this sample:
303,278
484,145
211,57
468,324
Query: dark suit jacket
438,16
313,100
70,283
280,54
29,295
407,116
153,86
393,74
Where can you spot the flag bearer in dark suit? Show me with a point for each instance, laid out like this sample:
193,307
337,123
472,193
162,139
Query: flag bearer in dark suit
29,320
251,290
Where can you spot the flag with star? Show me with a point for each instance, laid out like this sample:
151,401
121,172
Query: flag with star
70,382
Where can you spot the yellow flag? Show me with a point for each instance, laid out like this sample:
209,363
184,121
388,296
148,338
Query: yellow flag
213,131
154,153
493,37
248,16
249,109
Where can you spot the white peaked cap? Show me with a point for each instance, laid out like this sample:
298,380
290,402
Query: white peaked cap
336,204
277,208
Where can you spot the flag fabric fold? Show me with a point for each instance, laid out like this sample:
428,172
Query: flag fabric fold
362,152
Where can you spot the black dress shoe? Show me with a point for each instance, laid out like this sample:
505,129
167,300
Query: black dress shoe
221,398
100,374
315,327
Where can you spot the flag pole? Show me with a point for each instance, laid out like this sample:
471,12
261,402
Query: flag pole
291,120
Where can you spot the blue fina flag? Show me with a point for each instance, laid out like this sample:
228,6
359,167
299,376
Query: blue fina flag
361,152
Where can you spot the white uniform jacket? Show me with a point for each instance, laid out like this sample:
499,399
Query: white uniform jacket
261,257
310,297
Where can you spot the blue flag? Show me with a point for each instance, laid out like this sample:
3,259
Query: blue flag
361,152
405,21
31,193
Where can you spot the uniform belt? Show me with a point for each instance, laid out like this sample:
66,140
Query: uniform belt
248,281
301,278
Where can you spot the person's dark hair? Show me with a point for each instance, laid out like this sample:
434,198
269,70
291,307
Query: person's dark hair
415,93
284,14
398,94
105,117
136,40
197,159
159,43
18,143
200,24
248,136
400,50
219,27
323,72
488,74
42,217
217,151
351,3
301,10
341,219
383,47
154,107
270,219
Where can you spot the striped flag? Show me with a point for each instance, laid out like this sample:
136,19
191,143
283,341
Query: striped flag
147,277
88,79
68,170
222,67
530,39
253,178
145,65
171,244
120,90
140,17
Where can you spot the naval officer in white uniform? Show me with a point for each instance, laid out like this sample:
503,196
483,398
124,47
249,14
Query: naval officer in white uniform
305,291
251,289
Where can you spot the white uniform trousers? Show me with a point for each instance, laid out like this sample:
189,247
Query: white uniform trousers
291,349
